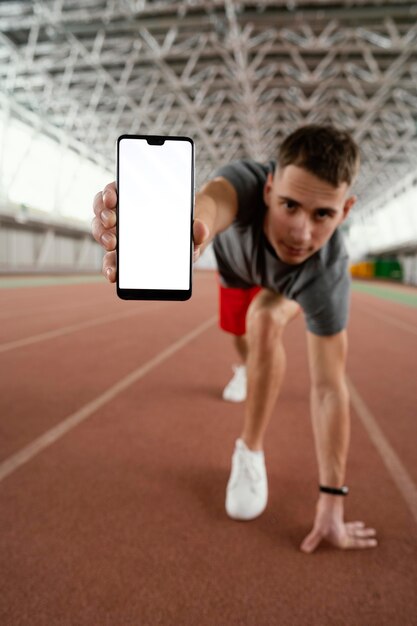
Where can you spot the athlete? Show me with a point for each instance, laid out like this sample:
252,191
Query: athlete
279,253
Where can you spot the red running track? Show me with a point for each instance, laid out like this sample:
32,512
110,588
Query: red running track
118,518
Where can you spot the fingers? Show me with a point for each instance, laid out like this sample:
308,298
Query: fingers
358,536
350,525
104,223
311,542
355,543
200,232
106,199
103,227
110,196
366,532
103,235
108,217
109,266
350,542
357,529
196,254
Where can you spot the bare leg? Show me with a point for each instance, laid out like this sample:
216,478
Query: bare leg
266,362
241,346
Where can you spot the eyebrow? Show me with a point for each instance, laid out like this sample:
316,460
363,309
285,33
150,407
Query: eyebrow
332,210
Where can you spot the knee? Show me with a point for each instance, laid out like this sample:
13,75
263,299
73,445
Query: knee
264,326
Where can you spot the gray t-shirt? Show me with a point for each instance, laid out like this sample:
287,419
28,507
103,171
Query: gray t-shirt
245,258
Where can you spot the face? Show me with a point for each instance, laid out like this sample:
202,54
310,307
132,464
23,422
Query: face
303,212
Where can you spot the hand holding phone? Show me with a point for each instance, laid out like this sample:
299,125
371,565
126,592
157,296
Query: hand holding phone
155,186
105,209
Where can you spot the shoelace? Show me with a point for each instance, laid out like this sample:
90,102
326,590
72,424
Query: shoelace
246,463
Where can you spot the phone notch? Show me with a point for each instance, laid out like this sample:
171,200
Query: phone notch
156,141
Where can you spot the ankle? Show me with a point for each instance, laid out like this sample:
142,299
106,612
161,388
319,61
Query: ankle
253,444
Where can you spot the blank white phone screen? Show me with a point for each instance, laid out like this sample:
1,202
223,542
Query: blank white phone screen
154,214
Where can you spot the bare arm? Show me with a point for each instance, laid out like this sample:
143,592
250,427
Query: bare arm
215,209
331,427
216,206
329,405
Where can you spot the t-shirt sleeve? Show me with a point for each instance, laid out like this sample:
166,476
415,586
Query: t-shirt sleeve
326,300
246,178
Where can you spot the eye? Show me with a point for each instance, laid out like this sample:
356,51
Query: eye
289,204
323,214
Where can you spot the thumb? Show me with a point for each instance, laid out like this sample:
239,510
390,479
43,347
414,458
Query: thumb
201,232
311,542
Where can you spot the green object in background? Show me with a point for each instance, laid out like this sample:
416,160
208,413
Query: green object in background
389,268
384,292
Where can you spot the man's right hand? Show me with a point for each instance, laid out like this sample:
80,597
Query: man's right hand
104,224
104,228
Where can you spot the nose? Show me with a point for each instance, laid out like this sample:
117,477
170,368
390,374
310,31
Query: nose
300,230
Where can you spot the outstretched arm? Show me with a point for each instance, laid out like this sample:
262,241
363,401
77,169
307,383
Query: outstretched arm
331,428
215,209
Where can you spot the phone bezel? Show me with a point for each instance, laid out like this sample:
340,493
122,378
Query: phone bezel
157,294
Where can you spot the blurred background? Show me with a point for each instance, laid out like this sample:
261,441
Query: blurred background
115,440
236,76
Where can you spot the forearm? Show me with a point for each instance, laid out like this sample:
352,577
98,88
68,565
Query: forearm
331,428
216,207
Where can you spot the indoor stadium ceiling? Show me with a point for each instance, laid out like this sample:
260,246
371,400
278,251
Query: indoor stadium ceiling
236,76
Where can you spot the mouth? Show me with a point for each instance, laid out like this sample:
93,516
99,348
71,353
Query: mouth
295,251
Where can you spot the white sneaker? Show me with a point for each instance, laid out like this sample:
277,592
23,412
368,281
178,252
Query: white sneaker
235,390
247,489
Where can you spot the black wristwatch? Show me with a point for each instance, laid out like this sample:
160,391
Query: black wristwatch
335,491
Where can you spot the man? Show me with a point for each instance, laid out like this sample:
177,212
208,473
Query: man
275,235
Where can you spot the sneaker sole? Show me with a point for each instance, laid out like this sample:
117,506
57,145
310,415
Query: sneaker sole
234,399
246,518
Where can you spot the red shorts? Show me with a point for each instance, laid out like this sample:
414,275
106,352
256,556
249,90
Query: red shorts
233,306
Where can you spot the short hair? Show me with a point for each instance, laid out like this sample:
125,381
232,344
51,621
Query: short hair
330,154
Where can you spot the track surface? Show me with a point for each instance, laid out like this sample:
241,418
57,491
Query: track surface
116,450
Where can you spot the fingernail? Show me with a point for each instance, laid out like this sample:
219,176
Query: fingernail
106,238
105,214
108,272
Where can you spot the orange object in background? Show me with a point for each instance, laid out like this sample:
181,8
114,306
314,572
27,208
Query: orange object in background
368,269
364,269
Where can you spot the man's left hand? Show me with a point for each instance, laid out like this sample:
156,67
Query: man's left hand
329,525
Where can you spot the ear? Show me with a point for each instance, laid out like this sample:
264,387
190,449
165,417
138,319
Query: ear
268,188
348,205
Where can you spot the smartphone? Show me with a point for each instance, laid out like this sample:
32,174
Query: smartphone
156,191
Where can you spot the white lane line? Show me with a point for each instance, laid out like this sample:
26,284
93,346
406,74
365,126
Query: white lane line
391,460
49,437
6,315
391,320
65,330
